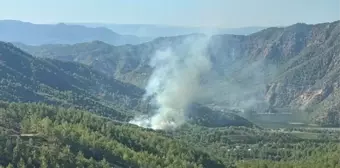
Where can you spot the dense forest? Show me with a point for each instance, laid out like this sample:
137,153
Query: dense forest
46,136
39,135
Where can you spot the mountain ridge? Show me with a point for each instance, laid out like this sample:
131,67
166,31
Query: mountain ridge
283,64
29,79
151,30
25,78
16,31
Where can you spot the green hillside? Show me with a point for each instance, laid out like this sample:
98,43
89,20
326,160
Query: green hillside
38,135
28,79
293,67
45,136
56,112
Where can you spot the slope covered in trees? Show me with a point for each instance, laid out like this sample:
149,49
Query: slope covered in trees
38,135
61,136
28,79
292,67
25,78
44,136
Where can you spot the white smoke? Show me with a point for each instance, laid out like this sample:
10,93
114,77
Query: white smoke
175,83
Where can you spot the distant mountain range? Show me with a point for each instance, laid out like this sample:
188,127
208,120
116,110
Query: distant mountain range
37,34
149,30
294,67
115,34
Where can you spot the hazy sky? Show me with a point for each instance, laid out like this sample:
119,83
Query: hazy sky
222,13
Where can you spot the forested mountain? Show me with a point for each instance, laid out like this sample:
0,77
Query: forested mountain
38,135
294,67
25,78
61,134
28,79
173,89
37,34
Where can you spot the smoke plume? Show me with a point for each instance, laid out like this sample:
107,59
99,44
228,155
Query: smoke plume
175,82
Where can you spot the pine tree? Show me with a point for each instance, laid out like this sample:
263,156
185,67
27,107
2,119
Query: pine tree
10,166
21,163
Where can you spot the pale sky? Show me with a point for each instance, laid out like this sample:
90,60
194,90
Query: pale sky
221,13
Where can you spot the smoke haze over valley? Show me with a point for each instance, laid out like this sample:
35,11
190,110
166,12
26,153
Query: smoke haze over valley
173,84
253,72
